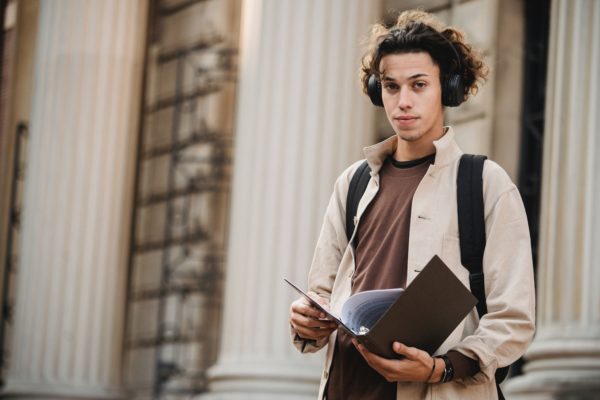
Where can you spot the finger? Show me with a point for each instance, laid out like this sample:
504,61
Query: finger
375,360
367,355
321,300
411,353
363,352
383,366
308,322
307,310
304,327
309,333
302,306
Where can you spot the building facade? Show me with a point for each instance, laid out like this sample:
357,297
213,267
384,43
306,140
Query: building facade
165,163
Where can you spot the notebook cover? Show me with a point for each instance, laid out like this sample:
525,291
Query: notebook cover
430,308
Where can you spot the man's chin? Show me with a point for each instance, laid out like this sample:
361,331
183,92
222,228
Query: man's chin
409,136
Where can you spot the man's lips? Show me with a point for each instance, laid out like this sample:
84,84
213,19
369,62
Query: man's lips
406,119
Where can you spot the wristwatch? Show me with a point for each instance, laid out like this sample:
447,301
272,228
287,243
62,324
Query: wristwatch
448,369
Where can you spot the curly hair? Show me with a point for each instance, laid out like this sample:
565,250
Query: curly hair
416,31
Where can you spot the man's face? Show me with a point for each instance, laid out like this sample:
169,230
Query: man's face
412,96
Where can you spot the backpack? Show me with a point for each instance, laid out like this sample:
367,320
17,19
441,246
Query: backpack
471,226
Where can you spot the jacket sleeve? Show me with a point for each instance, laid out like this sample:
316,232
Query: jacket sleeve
330,248
504,333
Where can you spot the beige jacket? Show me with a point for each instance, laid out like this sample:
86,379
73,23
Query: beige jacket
504,333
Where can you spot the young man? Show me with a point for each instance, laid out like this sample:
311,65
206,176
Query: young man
407,214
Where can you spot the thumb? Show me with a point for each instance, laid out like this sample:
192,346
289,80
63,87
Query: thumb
322,301
403,350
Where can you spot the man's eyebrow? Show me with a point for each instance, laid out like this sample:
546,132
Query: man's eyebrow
415,76
419,75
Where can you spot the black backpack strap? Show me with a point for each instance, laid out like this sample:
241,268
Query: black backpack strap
471,230
471,223
358,185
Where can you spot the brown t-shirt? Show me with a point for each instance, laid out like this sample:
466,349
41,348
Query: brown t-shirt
381,263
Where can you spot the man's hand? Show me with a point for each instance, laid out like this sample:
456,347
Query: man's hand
309,322
416,366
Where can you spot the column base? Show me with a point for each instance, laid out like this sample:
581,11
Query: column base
551,386
264,381
42,391
254,396
559,369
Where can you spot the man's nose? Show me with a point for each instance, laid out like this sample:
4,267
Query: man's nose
404,99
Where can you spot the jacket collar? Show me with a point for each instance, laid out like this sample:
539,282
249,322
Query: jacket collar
446,151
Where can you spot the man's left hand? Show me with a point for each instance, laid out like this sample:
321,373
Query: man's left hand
414,367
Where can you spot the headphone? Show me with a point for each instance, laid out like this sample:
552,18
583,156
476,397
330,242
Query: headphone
453,87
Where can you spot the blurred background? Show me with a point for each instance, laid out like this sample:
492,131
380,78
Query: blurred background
165,163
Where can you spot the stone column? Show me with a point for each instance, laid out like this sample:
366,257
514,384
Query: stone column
70,300
564,359
302,118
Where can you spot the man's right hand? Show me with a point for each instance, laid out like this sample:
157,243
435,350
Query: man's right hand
308,321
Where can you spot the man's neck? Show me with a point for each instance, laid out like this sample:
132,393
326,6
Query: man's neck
409,151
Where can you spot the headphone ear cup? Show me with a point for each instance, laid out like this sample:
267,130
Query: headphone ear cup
374,90
453,91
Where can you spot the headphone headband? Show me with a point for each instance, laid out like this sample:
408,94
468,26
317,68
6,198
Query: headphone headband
456,55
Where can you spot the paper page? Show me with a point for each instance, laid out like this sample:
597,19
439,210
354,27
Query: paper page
362,310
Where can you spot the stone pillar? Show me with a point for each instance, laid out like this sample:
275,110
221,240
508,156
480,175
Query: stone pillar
301,119
70,300
564,359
